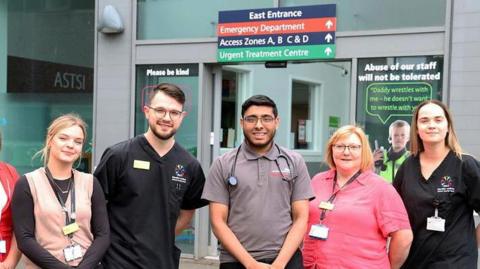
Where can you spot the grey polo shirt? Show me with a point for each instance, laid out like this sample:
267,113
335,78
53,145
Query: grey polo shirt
260,204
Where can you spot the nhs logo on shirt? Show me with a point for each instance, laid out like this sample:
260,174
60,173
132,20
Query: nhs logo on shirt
446,184
179,174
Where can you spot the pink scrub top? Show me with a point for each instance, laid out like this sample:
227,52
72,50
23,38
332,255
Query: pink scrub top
365,212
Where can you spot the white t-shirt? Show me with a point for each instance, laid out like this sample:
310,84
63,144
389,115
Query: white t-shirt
3,197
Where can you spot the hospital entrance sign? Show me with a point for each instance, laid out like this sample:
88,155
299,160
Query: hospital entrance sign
277,34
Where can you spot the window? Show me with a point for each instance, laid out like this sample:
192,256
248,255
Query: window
303,101
234,89
46,69
380,14
183,75
172,19
229,109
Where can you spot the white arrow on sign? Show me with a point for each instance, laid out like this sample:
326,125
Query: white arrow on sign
328,37
329,24
327,51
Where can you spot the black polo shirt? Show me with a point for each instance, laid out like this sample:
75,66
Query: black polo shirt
145,193
456,185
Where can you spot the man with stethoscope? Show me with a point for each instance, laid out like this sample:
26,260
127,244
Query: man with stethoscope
259,195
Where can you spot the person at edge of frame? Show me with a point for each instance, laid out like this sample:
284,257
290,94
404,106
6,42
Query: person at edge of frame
440,186
152,186
9,253
259,195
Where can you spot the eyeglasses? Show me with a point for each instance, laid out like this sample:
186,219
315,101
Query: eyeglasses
254,119
162,112
342,148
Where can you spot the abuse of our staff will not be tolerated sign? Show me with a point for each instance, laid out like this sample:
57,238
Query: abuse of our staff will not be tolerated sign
277,34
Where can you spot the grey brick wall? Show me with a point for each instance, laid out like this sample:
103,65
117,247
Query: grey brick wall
113,80
465,73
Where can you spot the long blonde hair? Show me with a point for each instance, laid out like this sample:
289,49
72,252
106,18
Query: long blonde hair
60,123
342,132
451,140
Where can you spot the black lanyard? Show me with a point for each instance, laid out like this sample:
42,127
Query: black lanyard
334,193
69,216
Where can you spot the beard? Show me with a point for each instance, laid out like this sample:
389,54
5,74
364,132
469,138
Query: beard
162,136
257,145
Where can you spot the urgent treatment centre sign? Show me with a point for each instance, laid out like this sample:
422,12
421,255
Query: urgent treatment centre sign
277,34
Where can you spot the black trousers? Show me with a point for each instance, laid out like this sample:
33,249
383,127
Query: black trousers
296,262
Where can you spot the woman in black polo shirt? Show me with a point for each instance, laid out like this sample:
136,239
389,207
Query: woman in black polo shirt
440,187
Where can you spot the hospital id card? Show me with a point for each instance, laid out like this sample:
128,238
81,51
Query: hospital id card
436,224
319,231
72,252
3,246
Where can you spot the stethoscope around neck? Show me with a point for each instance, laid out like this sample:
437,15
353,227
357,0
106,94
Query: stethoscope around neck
232,180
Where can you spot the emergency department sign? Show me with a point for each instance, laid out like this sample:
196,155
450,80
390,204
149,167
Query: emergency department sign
277,34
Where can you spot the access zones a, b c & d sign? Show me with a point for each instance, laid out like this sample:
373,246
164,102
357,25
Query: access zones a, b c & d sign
277,34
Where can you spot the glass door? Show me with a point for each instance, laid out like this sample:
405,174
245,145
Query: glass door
186,77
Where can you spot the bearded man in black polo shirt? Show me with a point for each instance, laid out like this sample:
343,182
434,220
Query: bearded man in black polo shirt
152,186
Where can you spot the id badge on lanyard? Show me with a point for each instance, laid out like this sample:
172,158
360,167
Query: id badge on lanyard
436,223
72,252
319,231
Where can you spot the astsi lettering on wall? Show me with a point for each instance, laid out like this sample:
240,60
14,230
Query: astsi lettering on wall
66,80
25,75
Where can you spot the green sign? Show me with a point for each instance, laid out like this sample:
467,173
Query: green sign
333,121
275,53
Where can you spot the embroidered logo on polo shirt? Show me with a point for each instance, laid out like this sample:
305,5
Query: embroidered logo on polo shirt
447,184
179,170
179,174
284,173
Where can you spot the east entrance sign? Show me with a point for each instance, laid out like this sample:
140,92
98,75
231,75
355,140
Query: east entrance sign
279,34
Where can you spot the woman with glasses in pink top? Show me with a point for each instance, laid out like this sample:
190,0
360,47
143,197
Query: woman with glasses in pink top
354,211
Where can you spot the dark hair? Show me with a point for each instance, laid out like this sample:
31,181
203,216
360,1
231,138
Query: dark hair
171,90
259,100
451,140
